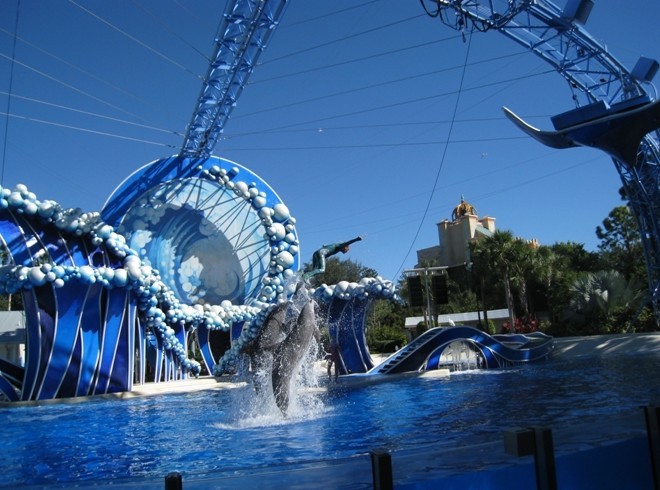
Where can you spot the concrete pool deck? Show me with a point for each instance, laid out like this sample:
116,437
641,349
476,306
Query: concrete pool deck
607,345
564,347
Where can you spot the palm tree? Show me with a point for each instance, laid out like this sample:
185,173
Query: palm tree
494,253
597,297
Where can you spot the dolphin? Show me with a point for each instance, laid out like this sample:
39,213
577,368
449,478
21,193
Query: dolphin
262,347
289,354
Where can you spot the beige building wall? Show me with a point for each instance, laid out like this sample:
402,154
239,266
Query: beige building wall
454,239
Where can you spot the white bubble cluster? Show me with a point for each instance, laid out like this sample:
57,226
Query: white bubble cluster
157,304
279,230
366,288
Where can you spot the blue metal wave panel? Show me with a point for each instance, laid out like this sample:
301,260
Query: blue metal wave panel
114,320
90,336
425,351
66,327
346,325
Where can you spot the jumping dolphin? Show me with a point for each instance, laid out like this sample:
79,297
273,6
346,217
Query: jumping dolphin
261,349
289,353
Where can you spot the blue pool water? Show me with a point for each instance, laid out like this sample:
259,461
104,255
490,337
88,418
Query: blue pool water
208,433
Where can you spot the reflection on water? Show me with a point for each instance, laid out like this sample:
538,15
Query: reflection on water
219,430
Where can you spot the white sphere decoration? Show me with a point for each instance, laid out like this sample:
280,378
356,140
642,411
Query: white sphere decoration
241,189
266,212
36,276
277,231
259,202
31,208
285,259
281,212
15,199
121,278
86,273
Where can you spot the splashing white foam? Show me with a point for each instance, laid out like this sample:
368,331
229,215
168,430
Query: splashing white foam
251,408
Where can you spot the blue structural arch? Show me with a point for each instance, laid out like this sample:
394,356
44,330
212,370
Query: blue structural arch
243,34
615,111
214,230
226,247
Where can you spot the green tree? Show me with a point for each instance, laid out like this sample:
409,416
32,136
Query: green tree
340,270
557,268
621,245
495,253
603,302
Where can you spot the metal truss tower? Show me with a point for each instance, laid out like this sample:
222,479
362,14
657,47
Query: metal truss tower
243,34
616,109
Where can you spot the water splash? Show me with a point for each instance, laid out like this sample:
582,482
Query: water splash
255,406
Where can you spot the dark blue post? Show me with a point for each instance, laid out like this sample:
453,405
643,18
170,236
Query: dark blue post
544,460
173,481
652,415
381,469
537,441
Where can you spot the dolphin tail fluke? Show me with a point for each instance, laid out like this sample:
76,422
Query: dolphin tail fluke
553,139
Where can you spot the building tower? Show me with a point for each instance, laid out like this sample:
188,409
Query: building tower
454,237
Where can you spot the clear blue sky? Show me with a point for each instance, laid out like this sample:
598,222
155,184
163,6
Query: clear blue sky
346,117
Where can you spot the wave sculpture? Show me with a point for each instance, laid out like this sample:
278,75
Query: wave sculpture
190,245
96,308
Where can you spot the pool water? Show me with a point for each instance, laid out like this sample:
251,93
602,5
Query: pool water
215,431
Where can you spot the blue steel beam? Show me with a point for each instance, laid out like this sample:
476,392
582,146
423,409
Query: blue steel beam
243,34
553,35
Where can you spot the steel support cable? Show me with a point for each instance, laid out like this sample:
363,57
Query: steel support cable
70,87
86,130
442,158
353,60
80,70
395,104
369,87
341,39
136,40
11,83
390,218
380,145
88,113
329,14
172,32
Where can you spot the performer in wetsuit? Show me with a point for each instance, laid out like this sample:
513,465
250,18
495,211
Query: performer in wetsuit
318,259
333,358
